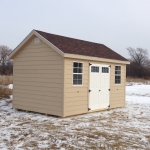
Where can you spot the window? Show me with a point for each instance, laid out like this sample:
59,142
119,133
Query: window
77,73
105,70
36,40
117,74
94,69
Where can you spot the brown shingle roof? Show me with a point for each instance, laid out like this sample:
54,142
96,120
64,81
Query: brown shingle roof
80,47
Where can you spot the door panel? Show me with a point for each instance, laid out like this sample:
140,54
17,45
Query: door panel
105,86
99,86
94,86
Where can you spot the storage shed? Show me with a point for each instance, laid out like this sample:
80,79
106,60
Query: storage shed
63,76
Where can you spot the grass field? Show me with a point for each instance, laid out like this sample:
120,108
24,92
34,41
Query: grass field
138,80
5,92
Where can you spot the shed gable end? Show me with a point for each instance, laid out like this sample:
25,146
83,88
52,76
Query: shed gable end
38,80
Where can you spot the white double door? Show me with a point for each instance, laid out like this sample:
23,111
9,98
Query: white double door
99,86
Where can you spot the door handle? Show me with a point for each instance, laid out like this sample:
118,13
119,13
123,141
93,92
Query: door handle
99,90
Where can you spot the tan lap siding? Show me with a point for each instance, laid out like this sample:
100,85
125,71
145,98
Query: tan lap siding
76,97
117,93
38,79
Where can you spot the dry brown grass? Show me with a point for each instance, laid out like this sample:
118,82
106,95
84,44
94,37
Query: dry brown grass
5,92
138,80
5,80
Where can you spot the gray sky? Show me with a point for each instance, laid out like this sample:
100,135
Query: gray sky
115,23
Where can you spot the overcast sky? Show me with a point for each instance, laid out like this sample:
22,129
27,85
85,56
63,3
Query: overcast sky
116,23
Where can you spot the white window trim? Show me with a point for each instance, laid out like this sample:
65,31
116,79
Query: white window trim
120,75
78,73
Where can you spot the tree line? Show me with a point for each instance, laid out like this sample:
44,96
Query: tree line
139,63
6,65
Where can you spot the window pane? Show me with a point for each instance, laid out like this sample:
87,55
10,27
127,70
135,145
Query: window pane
79,70
94,69
75,70
75,64
80,65
117,72
75,76
117,81
117,77
75,82
117,67
79,81
105,70
80,76
97,69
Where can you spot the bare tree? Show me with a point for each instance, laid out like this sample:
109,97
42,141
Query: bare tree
4,52
139,63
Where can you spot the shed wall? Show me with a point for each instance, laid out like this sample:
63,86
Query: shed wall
76,98
38,79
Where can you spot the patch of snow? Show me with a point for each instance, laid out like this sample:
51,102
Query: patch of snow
128,126
138,90
11,96
10,86
138,99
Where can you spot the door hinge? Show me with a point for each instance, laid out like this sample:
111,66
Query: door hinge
108,89
89,109
90,90
90,64
109,106
110,66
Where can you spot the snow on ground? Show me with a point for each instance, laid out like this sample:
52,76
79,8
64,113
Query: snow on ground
10,86
121,128
138,90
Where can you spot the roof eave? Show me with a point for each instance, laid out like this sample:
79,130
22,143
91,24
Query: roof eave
75,56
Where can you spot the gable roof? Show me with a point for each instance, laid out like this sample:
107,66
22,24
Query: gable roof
73,48
80,47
